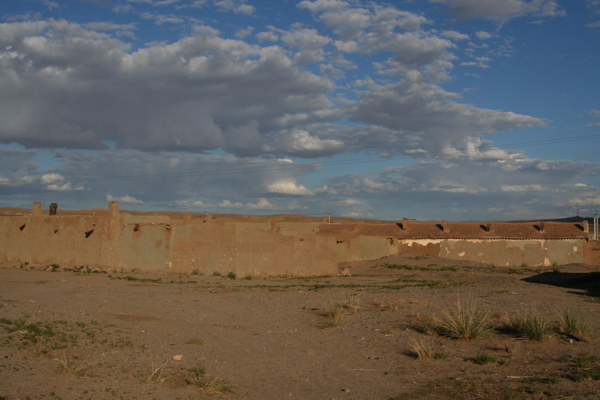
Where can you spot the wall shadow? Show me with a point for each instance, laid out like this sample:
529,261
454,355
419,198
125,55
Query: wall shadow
589,282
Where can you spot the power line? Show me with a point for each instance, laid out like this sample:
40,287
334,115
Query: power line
295,166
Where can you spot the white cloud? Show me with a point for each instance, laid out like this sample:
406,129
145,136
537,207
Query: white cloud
242,33
237,6
299,142
211,89
189,205
428,111
124,199
454,35
522,188
261,204
483,35
501,11
289,187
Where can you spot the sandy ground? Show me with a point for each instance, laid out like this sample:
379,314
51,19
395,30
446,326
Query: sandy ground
81,335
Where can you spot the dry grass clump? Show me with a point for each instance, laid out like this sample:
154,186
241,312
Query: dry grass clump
382,305
199,377
73,365
532,325
352,303
508,347
158,374
429,325
572,324
466,321
421,348
334,310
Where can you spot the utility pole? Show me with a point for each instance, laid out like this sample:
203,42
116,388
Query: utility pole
329,216
596,225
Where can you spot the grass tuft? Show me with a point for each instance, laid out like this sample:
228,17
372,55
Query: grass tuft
570,323
484,359
25,323
353,303
158,374
531,325
429,325
199,377
466,321
334,310
196,341
72,365
421,348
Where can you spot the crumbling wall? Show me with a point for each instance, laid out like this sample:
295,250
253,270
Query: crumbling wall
514,252
361,248
160,244
251,248
592,252
54,240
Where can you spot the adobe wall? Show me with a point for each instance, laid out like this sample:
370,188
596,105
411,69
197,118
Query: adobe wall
500,252
515,252
160,244
592,252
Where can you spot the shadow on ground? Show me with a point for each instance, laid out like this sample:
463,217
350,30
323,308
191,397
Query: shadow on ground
589,282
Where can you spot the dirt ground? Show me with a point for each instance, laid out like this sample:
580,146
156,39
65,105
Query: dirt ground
73,333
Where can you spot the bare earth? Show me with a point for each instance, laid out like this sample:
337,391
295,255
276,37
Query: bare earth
81,335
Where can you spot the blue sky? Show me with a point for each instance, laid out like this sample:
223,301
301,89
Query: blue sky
426,109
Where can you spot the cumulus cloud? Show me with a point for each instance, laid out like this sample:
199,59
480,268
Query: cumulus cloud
427,111
502,11
66,86
480,189
127,199
289,187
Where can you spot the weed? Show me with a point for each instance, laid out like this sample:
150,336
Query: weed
53,267
217,273
572,324
532,325
196,341
508,347
332,323
440,356
382,305
353,303
232,275
421,348
25,323
248,277
592,374
199,377
585,360
484,359
466,321
334,310
72,365
429,325
158,374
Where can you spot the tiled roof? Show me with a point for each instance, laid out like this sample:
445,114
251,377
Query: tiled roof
462,230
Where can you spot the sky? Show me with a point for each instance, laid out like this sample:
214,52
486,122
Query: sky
424,109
